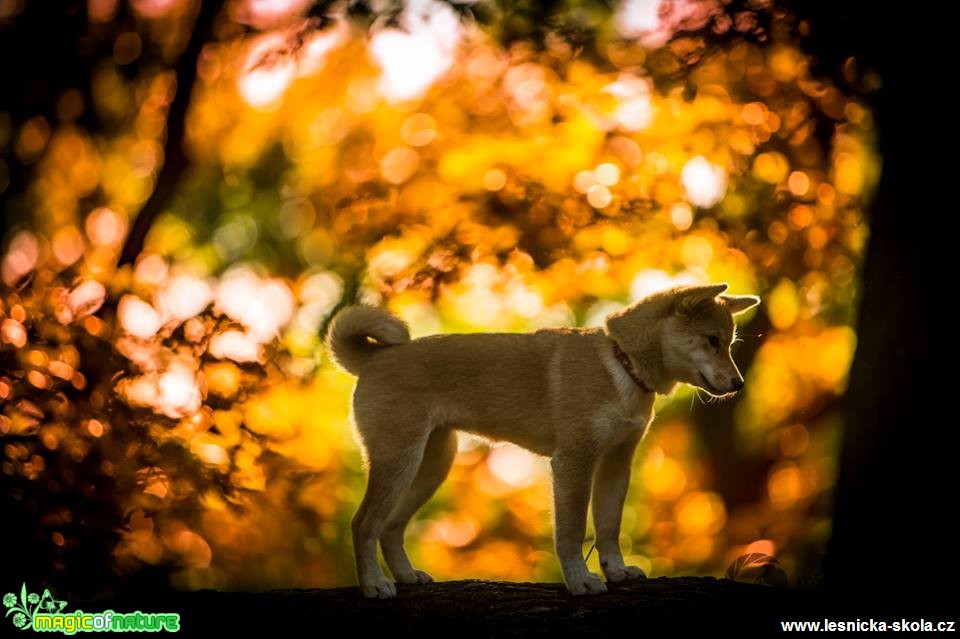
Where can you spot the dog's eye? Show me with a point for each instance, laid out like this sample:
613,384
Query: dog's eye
714,341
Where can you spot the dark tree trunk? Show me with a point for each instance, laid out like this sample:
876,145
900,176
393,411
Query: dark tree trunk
895,496
174,157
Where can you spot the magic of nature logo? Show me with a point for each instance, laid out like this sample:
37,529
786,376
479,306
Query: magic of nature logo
44,613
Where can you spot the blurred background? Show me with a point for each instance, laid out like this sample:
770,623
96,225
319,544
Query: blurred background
189,191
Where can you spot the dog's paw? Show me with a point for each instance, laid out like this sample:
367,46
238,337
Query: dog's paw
624,573
414,577
380,588
586,584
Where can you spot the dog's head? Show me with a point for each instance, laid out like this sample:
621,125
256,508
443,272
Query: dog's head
684,335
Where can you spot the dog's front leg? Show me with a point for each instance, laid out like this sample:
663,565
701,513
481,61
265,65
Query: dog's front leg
609,492
572,477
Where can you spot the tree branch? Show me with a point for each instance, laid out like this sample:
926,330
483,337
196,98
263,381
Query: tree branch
475,608
175,159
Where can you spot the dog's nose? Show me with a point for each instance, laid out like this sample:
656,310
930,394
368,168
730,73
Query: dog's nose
737,383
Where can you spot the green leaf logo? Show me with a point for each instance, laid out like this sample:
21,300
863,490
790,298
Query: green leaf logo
29,605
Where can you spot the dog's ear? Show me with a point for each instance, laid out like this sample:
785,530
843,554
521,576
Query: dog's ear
740,303
693,297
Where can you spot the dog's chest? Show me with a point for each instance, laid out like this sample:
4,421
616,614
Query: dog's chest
630,407
636,414
620,420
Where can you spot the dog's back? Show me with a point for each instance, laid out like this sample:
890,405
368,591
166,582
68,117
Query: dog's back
505,386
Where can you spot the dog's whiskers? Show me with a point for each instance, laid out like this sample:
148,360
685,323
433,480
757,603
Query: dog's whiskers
697,395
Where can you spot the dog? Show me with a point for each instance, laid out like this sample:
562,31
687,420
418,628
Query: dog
582,396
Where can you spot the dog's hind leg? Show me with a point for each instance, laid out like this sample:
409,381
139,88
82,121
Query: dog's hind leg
438,457
392,468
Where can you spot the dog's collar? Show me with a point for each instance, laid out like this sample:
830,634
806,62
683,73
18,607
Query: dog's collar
628,366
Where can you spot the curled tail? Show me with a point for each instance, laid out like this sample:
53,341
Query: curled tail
358,331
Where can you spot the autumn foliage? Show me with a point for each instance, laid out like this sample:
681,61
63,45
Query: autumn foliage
179,420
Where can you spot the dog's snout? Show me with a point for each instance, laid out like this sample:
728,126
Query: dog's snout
736,383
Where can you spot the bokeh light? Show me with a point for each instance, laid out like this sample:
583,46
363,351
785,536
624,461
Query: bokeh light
469,177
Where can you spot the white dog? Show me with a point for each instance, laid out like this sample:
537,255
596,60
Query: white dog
583,397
